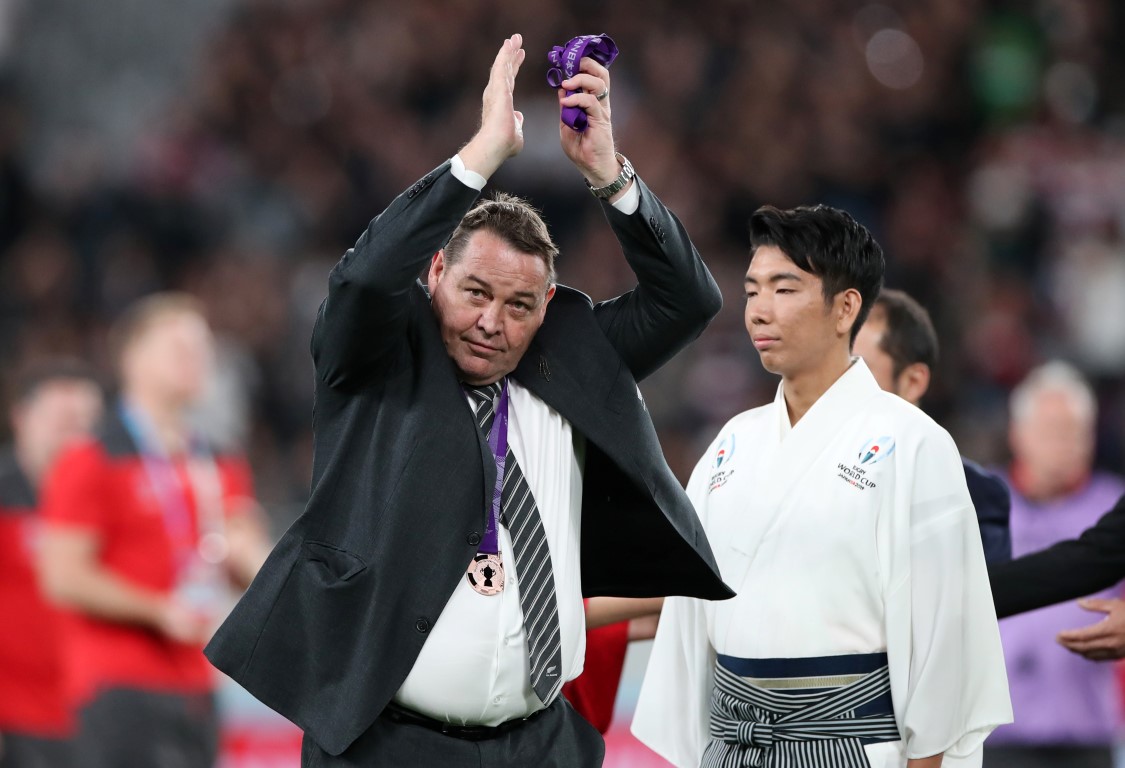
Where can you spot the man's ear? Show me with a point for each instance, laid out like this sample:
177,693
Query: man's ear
437,269
913,382
847,308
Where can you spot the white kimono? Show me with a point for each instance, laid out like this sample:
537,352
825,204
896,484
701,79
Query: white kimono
851,532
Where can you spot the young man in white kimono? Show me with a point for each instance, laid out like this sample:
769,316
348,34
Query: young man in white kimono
863,633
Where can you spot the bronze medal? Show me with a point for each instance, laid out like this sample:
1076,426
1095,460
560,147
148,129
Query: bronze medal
486,574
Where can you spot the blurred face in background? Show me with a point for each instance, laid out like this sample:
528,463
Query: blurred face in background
171,358
56,414
1052,442
868,345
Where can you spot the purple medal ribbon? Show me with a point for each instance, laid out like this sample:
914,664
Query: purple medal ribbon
498,442
565,62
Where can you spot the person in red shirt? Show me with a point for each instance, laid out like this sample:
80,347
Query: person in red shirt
146,525
56,402
611,624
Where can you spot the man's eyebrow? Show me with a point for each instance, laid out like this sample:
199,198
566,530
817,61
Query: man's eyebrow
774,278
482,283
526,295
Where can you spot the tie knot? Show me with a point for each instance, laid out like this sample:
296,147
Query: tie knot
484,403
486,394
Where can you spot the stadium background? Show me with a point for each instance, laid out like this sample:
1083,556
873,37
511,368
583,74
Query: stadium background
235,148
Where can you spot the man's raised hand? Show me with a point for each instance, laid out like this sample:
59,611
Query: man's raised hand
591,150
501,127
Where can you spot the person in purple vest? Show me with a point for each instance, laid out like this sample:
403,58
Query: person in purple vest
1067,711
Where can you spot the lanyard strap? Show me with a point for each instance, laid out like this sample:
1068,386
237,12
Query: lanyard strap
565,63
171,491
498,442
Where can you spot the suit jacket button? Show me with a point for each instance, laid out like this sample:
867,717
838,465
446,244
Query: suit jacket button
422,625
473,538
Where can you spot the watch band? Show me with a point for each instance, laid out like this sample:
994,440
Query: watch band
618,184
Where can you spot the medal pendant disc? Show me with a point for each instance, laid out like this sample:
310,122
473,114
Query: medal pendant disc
486,574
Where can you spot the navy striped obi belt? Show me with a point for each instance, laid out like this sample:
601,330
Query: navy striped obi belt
799,713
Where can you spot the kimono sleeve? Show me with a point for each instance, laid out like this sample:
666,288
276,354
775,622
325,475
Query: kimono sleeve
673,712
948,678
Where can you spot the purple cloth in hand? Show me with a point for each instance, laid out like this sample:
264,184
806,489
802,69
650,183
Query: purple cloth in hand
565,61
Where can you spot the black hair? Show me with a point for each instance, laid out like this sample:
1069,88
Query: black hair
40,373
828,243
909,336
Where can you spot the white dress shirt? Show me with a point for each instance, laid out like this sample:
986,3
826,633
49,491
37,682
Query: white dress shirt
473,668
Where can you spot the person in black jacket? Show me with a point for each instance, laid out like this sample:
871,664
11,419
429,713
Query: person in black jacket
899,345
427,607
1066,571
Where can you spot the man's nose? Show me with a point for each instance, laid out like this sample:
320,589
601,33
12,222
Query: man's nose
491,319
759,311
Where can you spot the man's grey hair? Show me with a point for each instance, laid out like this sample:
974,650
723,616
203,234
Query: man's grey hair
1055,376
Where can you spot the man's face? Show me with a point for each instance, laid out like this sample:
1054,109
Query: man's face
489,303
792,327
1054,441
174,356
868,345
58,413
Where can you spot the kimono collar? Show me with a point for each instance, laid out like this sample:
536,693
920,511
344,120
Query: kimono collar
854,386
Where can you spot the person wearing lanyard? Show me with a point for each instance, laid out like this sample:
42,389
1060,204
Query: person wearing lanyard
145,527
483,457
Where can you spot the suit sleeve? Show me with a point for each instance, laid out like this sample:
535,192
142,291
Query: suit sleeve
1066,571
363,322
675,297
993,503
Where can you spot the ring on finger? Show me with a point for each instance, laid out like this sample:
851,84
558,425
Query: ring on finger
601,96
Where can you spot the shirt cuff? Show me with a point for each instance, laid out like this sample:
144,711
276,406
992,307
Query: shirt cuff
629,202
464,175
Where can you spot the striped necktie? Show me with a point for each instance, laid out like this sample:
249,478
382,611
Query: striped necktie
520,516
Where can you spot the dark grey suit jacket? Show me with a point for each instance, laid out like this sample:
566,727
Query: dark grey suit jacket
1067,570
334,622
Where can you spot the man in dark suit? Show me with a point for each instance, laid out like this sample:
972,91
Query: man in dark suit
420,612
1067,570
899,345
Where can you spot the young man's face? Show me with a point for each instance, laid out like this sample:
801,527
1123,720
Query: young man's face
792,327
490,303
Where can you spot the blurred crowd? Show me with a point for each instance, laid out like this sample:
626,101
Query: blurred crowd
981,141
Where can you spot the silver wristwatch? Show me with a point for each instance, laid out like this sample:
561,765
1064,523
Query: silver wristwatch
618,184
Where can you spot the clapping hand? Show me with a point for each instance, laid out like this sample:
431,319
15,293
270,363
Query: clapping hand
501,126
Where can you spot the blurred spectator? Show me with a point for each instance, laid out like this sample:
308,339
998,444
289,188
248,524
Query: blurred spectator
611,624
1067,710
56,403
145,525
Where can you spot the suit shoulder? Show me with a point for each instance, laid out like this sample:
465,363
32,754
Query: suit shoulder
565,295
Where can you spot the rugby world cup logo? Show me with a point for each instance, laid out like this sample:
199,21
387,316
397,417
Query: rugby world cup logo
874,451
725,452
